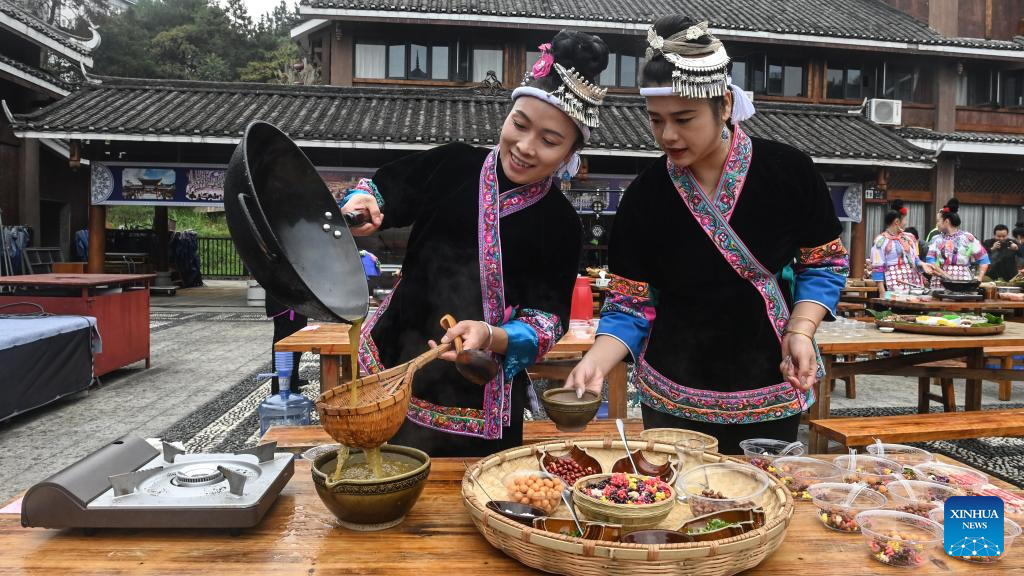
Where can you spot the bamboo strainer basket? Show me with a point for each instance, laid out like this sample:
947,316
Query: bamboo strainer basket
562,554
383,399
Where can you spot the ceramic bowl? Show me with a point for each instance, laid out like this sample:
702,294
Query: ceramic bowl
740,522
645,467
657,537
571,466
569,413
591,530
374,504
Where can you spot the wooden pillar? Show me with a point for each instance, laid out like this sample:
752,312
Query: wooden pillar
97,239
342,56
28,188
162,237
858,248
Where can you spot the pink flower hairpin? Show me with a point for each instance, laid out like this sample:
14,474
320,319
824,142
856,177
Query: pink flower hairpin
542,67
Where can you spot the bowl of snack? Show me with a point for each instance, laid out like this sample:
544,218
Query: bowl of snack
665,470
534,488
570,466
963,478
798,473
970,551
657,537
839,503
875,471
722,486
761,452
724,524
899,539
591,530
635,502
919,496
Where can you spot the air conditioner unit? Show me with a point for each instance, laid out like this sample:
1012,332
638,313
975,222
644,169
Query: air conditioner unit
888,112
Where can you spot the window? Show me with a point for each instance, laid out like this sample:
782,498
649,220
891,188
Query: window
847,82
1012,89
977,86
439,62
785,78
370,60
396,61
621,72
411,61
905,82
775,76
487,60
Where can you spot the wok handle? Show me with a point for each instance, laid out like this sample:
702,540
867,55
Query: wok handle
243,202
354,219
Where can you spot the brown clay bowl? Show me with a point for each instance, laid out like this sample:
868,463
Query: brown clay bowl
666,471
569,413
591,530
657,537
744,521
374,504
522,513
585,461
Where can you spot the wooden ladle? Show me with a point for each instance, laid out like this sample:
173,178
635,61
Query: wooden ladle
474,365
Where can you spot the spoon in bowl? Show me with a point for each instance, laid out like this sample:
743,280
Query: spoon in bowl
622,435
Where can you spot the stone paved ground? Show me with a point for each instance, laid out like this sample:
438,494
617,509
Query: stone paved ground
197,355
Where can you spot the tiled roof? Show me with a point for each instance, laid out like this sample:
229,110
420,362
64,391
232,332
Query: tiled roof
36,73
974,137
405,118
82,46
864,19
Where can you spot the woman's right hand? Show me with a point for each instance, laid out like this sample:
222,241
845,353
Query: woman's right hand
366,204
587,376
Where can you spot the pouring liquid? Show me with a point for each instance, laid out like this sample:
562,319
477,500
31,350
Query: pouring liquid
373,457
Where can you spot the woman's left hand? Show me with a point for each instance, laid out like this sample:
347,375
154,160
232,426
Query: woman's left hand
802,368
474,335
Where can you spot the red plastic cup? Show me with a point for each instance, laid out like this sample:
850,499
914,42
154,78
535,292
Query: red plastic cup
582,300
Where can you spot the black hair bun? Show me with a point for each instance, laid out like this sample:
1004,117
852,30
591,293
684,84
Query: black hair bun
587,53
668,25
953,205
896,205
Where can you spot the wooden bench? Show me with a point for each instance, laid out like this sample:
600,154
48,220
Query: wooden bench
922,427
1003,354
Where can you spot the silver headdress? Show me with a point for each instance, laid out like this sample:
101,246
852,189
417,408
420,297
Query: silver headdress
701,70
579,98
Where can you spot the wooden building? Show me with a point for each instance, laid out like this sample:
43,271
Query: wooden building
38,187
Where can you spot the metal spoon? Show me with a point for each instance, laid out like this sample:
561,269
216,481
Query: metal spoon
568,504
474,365
478,484
622,434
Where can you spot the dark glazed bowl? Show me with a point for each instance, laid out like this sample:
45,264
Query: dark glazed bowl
569,413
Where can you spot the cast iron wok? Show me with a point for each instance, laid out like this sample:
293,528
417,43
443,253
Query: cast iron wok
289,230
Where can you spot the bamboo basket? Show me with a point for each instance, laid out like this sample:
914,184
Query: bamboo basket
383,399
563,554
677,435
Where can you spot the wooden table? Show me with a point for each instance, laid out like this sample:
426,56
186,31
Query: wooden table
937,305
330,341
298,439
120,308
937,348
299,537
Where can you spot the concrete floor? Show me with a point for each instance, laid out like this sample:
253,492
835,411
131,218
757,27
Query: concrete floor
195,361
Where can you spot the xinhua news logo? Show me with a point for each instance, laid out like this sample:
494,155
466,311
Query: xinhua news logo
974,526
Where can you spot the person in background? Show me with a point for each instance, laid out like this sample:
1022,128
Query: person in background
894,254
921,246
1003,251
1018,235
286,323
954,250
952,206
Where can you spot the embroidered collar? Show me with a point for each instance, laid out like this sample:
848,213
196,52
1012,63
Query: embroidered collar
734,174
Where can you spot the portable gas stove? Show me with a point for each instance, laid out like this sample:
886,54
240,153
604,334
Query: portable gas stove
959,296
130,484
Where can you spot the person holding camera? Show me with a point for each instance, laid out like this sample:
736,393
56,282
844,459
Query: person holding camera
1002,251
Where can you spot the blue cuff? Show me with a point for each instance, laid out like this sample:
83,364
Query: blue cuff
626,328
819,285
983,260
930,259
878,276
350,194
522,347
